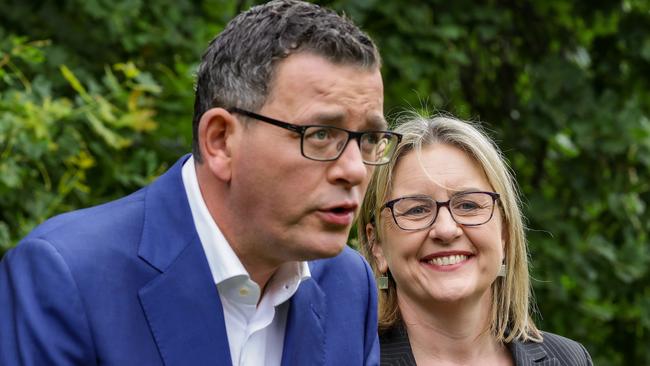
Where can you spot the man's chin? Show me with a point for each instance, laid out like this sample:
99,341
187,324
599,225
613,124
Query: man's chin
327,248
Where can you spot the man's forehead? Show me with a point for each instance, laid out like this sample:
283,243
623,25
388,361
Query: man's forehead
306,61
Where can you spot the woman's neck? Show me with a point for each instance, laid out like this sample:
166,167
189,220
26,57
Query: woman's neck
452,333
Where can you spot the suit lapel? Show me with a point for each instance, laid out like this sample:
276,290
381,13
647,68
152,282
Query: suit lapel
304,340
395,347
184,313
531,354
181,304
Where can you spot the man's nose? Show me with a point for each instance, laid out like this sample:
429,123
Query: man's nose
349,168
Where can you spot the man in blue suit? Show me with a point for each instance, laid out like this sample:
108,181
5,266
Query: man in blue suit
237,254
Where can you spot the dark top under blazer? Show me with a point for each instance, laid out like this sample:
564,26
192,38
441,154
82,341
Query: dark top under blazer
555,350
128,283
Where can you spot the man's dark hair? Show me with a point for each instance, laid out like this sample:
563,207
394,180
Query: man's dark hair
238,65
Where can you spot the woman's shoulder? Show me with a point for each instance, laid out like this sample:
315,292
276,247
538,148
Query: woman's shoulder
553,346
558,344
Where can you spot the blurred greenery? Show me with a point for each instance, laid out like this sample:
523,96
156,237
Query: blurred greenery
96,100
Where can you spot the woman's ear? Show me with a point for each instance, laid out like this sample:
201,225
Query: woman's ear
505,236
376,249
217,139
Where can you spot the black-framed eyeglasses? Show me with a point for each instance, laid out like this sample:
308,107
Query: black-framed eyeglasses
327,143
419,212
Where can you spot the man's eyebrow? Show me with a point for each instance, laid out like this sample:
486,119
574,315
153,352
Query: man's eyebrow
329,118
374,122
377,123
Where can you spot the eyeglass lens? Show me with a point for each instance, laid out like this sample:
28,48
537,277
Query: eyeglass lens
413,213
327,143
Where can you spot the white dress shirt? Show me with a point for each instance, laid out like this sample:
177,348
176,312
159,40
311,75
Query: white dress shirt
255,332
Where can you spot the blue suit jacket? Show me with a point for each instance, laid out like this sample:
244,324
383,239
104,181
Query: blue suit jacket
127,283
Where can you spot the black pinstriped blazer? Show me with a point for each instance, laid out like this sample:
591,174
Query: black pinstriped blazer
554,351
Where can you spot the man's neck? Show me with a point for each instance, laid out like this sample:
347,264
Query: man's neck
259,268
260,273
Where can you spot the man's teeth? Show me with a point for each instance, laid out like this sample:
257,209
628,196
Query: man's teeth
448,260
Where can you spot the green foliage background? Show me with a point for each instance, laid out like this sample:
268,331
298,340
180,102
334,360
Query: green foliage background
96,100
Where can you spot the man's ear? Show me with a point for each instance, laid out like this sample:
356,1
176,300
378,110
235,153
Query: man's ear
217,138
376,249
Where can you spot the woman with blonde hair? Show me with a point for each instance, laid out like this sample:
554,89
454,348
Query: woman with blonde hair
442,227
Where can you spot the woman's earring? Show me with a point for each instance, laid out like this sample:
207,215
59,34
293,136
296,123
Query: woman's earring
382,282
502,271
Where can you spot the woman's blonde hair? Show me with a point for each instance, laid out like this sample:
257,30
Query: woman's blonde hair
511,295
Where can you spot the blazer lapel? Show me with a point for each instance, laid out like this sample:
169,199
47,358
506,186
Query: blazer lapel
185,315
395,347
531,354
181,304
304,340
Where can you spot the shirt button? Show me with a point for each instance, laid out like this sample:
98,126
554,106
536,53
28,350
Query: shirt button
243,291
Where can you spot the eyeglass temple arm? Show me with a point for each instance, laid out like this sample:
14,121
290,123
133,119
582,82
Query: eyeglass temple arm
288,126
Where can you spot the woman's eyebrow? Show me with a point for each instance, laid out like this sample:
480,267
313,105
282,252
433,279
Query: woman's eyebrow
465,190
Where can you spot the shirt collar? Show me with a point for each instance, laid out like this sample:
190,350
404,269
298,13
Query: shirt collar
225,266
